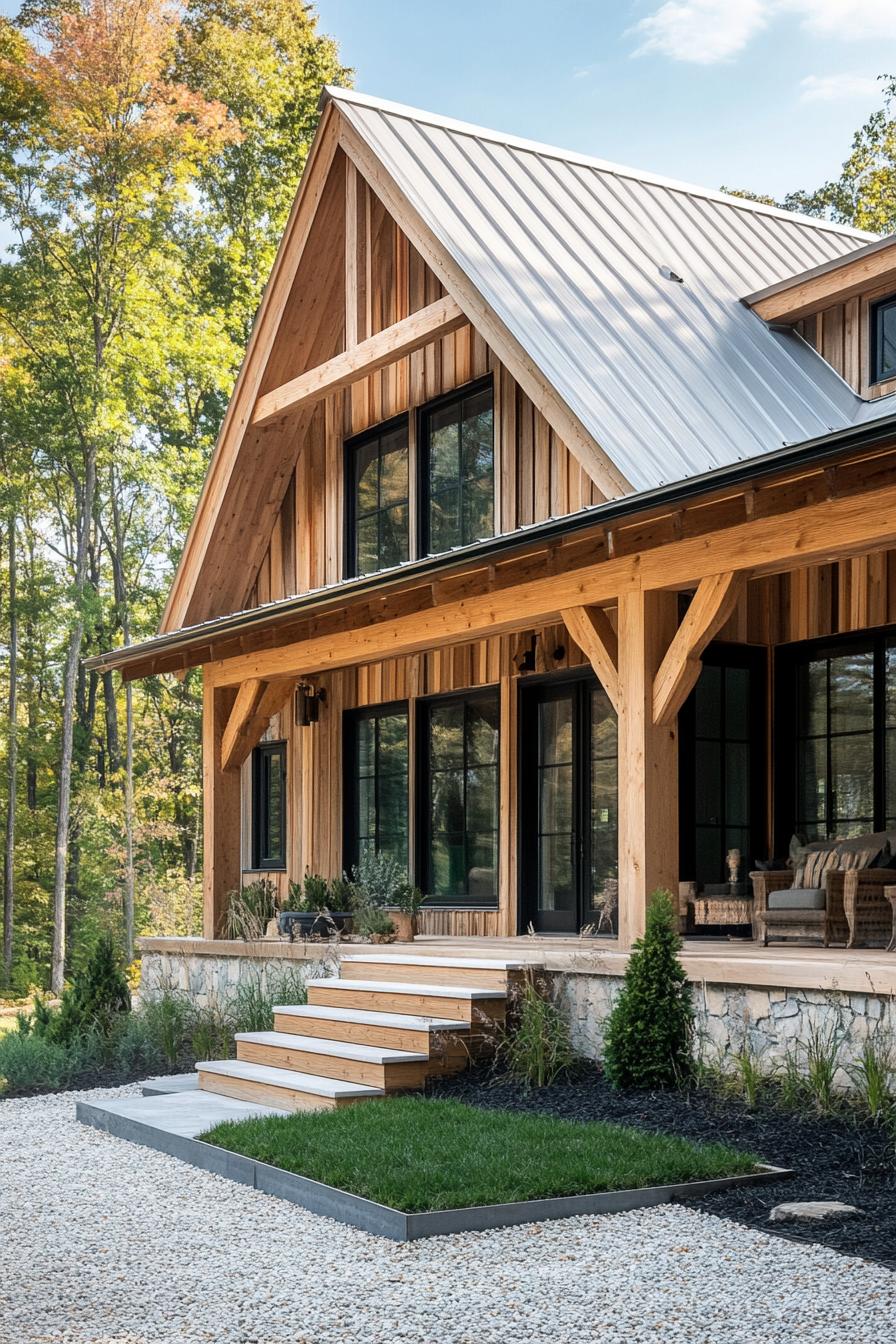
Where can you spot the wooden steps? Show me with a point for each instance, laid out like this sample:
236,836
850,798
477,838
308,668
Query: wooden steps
286,1089
394,1021
465,1002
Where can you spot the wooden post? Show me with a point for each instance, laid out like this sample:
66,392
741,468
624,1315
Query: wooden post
648,761
221,812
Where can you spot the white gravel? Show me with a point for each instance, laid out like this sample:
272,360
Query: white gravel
106,1242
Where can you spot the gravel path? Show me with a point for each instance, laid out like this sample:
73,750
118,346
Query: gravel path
105,1242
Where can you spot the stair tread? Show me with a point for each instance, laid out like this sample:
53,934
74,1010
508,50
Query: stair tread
457,963
371,1018
411,987
369,1054
299,1082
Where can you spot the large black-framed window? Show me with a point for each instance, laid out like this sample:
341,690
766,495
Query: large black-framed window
722,764
376,805
457,774
883,340
456,452
269,805
377,521
836,737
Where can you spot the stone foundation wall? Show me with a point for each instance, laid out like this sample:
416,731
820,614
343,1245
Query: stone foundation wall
210,980
774,1024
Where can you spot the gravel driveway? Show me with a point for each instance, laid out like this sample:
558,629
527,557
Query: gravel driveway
106,1242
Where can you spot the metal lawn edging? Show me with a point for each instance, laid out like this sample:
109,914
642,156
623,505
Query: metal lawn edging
379,1219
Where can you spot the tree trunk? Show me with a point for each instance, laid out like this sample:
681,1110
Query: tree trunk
69,693
12,748
121,602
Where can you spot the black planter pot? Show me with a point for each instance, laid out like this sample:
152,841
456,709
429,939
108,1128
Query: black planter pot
314,923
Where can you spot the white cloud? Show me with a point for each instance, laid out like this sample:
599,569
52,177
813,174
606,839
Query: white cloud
702,31
706,32
838,88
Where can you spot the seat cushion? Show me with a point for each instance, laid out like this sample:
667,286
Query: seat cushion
811,898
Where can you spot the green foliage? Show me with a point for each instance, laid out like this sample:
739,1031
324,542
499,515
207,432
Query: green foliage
647,1042
250,909
454,1155
93,1003
378,880
822,1051
873,1076
408,899
372,922
537,1047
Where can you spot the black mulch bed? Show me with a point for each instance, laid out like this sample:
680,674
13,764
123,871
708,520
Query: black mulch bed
97,1077
832,1157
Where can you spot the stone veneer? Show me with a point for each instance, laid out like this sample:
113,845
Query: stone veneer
770,1022
213,979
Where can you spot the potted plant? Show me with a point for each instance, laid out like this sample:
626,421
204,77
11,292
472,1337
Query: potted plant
317,907
407,902
372,922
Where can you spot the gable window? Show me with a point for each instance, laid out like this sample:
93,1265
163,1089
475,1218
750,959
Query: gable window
883,340
376,783
269,805
457,472
458,740
377,534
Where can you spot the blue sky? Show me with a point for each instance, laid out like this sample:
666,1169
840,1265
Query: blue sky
763,94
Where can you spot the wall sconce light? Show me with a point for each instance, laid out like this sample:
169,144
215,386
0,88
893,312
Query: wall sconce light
308,703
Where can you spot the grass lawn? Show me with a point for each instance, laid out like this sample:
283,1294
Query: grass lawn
416,1154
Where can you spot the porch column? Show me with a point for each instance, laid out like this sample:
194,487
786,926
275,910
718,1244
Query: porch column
220,811
648,760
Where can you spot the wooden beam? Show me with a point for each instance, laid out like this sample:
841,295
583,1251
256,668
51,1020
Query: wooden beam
714,601
221,813
246,698
807,535
648,762
250,717
809,293
386,347
593,631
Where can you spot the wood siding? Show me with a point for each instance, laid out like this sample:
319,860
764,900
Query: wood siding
841,335
536,476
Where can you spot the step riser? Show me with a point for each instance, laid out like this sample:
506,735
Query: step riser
391,1077
431,975
284,1098
361,1033
484,1011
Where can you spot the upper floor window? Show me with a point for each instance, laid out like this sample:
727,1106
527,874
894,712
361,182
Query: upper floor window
457,470
883,340
269,805
377,529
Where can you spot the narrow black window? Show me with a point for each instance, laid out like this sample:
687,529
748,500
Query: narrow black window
269,805
459,798
376,783
883,340
377,499
457,470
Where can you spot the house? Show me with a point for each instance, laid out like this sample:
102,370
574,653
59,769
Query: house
549,544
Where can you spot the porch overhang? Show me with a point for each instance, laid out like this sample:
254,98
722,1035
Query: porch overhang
789,508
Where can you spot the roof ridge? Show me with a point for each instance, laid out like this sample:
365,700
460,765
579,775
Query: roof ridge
334,93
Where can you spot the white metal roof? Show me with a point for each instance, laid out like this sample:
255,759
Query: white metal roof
573,254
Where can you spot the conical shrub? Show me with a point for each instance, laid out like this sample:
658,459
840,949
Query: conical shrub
647,1041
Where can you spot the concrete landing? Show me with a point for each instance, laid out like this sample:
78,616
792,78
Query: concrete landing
171,1082
182,1114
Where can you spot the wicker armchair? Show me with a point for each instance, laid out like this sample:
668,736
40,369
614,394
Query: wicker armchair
869,916
830,923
